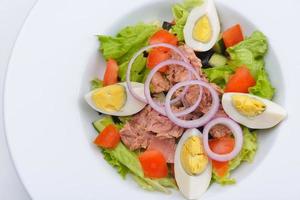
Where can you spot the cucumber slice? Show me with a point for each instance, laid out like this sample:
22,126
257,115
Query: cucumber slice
217,60
101,123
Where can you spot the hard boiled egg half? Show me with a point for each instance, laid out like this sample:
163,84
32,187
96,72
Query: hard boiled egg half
192,167
202,28
252,111
116,99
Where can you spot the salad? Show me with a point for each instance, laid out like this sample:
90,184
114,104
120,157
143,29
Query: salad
181,102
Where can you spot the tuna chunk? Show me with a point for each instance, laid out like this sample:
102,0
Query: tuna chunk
159,83
162,126
191,97
177,73
219,131
133,139
149,125
165,146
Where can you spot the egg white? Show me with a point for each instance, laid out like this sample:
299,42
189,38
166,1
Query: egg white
208,8
273,114
131,106
192,187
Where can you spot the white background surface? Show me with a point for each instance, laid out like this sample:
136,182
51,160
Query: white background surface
12,16
284,15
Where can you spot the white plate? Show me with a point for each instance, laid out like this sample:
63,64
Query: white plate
48,124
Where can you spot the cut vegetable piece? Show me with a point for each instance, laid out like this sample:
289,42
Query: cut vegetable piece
163,36
154,164
100,124
222,145
108,138
240,81
220,168
157,56
111,73
233,36
217,60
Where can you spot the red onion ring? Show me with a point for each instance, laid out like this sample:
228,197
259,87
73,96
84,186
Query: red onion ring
174,48
238,136
197,122
158,107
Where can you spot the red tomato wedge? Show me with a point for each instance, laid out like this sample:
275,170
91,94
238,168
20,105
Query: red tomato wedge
108,138
154,164
111,73
222,145
163,36
220,168
240,81
233,36
157,56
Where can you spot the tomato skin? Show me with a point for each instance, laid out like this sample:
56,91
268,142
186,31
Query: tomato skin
154,164
108,138
160,54
163,36
240,81
222,145
157,56
233,36
111,72
220,168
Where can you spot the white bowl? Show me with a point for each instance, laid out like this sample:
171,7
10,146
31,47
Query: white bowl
48,124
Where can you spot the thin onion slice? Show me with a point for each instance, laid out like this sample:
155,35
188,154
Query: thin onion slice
159,107
197,122
174,48
236,131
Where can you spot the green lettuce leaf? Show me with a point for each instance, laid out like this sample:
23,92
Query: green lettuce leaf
124,45
219,75
263,87
122,169
127,158
225,180
246,155
99,125
157,184
126,161
257,44
142,183
137,70
96,83
167,182
128,41
251,52
248,151
180,13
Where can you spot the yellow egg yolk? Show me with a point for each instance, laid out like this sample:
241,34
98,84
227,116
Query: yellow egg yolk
202,31
248,106
110,98
193,158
